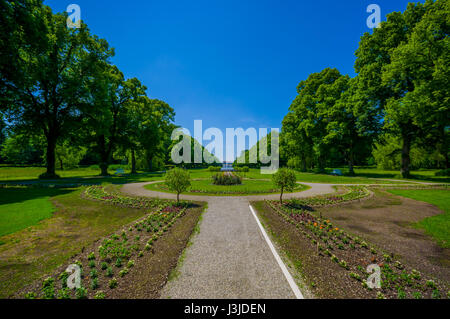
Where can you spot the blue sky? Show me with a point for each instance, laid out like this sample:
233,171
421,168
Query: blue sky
229,63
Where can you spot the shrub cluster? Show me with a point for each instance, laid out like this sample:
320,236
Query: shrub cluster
444,172
226,179
214,169
243,169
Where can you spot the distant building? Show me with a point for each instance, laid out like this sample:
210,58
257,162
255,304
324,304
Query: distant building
227,167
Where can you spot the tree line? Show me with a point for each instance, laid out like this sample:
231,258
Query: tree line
60,92
394,113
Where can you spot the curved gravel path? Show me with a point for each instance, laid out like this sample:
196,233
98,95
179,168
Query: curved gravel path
229,258
137,189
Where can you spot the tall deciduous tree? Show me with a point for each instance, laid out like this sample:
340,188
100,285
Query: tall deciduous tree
418,75
378,94
313,109
46,98
149,127
107,111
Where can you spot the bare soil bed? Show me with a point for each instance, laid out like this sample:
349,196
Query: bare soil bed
135,261
387,221
332,245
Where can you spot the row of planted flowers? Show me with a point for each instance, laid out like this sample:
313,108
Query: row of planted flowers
110,260
114,197
349,193
354,254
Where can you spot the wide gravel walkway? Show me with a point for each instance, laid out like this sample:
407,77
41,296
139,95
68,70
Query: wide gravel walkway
229,258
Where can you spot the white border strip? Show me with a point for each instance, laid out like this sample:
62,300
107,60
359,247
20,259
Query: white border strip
286,273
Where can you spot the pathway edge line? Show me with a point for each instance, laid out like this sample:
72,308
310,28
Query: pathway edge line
283,267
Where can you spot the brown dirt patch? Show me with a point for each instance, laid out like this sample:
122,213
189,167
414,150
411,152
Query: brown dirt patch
148,277
385,220
324,278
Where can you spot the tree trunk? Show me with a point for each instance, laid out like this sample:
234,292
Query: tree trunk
303,163
351,171
321,165
133,162
281,196
447,163
50,157
406,160
104,156
150,163
61,165
178,197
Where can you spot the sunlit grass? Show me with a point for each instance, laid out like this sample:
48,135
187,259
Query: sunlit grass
437,226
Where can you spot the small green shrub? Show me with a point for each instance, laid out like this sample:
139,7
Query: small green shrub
30,295
48,288
94,284
64,293
112,283
99,295
81,293
226,178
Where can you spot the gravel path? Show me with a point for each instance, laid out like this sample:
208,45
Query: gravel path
229,258
137,189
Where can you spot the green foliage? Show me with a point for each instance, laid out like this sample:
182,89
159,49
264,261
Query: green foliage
437,226
81,293
400,99
21,149
178,180
100,295
112,283
285,180
48,288
226,179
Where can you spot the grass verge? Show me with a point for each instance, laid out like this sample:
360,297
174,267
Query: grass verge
437,226
28,254
206,188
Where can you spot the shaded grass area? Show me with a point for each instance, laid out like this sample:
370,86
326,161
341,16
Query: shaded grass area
206,187
89,175
363,176
31,253
80,176
437,226
22,207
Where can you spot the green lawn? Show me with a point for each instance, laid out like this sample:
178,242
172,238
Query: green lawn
21,207
82,176
27,254
436,226
89,175
205,187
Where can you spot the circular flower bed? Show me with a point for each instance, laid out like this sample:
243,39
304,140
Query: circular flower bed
226,178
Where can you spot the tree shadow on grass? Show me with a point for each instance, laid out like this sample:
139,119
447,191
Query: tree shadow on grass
12,195
86,180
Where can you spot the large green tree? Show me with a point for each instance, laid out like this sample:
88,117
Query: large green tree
107,111
148,129
418,75
46,98
380,87
312,111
